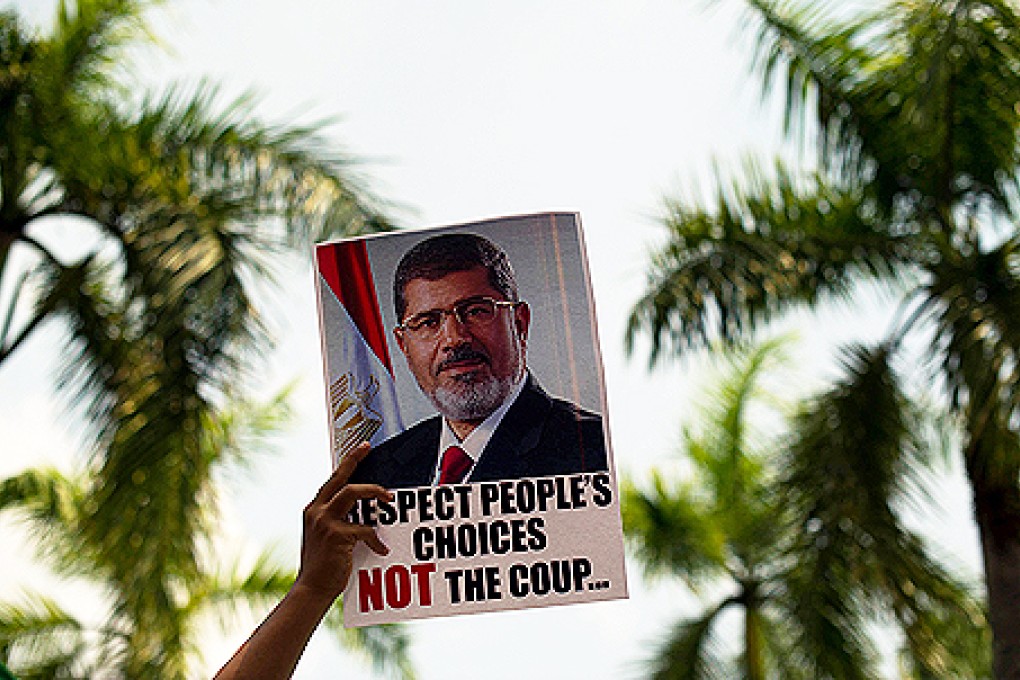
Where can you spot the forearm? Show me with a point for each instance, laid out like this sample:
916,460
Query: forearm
273,650
327,548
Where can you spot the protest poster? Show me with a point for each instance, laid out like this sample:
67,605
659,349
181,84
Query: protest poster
481,336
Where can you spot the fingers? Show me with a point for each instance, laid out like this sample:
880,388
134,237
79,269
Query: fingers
327,524
341,504
342,472
368,536
336,498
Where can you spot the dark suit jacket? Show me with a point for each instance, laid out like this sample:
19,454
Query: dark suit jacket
539,436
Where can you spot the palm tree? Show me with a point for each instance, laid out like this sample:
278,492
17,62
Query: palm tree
914,111
40,639
738,528
187,201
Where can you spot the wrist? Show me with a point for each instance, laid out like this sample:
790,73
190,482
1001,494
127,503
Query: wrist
314,594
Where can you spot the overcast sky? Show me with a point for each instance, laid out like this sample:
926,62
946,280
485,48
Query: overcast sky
462,110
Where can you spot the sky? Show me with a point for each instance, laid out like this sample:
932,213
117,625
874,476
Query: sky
461,110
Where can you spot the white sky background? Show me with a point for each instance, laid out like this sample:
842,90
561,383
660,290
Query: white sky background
467,109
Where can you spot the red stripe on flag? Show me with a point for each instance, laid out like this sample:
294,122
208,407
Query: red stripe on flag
347,271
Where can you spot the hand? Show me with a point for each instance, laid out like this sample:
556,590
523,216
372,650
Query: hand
328,539
327,546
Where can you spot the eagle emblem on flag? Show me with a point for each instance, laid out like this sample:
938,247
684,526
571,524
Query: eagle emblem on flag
355,419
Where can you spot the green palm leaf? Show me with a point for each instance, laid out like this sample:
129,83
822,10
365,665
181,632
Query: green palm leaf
40,640
809,535
689,651
386,647
190,197
913,109
668,531
761,250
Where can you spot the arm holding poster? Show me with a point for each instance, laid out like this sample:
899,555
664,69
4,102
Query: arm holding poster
327,545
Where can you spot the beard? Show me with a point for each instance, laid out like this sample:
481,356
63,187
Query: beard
471,398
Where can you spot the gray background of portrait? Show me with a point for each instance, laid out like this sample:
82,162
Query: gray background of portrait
562,351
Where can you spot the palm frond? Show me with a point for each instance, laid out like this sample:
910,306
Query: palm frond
945,72
842,476
39,639
768,245
946,631
778,645
243,427
232,585
88,40
670,530
725,442
19,54
825,620
853,453
729,453
949,643
249,170
977,334
816,61
53,508
941,109
46,494
689,650
856,457
386,648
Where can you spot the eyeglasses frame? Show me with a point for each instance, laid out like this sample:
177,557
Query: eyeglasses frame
455,313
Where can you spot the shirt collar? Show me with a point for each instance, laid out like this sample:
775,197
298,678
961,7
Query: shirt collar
474,444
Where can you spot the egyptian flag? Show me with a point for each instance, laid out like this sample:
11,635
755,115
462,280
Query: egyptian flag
362,396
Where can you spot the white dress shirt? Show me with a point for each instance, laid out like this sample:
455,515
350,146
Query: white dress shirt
475,442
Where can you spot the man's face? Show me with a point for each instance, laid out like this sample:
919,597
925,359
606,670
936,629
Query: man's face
467,372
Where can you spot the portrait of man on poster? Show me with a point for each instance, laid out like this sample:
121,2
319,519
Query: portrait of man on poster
463,331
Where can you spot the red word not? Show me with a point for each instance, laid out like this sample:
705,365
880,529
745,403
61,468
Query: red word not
394,586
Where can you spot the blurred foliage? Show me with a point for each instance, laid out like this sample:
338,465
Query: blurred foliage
188,200
912,110
814,578
43,640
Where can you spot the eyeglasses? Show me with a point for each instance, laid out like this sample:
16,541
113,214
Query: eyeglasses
476,312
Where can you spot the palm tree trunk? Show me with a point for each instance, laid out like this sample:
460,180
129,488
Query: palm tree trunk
753,644
997,510
6,242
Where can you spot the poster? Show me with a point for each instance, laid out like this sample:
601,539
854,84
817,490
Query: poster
468,356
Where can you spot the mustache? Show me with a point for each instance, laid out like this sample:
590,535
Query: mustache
461,353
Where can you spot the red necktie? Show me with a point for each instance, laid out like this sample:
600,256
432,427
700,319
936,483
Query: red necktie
454,465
